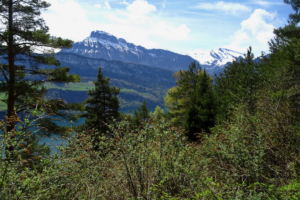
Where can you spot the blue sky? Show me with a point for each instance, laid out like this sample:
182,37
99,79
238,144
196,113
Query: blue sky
179,26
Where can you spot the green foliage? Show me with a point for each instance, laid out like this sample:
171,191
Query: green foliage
131,94
171,105
26,44
156,161
102,105
205,107
142,115
186,88
144,111
239,83
253,152
158,114
191,103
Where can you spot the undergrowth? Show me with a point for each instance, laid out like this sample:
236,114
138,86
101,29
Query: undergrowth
245,158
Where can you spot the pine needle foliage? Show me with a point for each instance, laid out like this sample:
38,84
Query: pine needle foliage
102,105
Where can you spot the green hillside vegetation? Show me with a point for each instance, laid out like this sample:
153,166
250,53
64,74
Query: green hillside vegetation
71,86
232,136
131,94
130,97
3,105
85,87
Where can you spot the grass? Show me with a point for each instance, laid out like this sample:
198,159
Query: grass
72,86
85,87
3,105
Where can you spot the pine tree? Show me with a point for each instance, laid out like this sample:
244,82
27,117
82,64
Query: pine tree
144,111
206,102
239,83
192,123
284,61
142,114
25,41
102,105
201,116
185,92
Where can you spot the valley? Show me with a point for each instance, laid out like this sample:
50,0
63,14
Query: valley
140,73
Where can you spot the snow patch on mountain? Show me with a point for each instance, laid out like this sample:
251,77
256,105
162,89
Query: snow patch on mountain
218,57
101,44
108,41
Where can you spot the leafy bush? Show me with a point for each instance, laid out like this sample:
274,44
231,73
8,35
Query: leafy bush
155,161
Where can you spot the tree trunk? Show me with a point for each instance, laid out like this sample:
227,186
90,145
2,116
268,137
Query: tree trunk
11,91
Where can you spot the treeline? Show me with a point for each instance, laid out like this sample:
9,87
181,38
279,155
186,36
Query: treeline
129,99
131,95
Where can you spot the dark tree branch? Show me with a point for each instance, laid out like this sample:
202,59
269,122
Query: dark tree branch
3,72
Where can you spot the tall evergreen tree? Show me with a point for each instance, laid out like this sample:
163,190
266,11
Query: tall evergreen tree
283,65
195,107
239,83
185,94
25,43
144,111
206,102
201,116
192,123
102,104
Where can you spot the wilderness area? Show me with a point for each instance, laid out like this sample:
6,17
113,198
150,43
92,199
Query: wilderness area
232,134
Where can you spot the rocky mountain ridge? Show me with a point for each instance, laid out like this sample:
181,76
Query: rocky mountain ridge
104,45
101,44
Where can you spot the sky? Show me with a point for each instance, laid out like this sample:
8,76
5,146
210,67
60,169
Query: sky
181,26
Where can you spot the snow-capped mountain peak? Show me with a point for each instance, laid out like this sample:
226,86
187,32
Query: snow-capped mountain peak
101,44
217,57
108,41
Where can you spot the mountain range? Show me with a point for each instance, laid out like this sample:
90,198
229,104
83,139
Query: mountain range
142,74
101,44
214,61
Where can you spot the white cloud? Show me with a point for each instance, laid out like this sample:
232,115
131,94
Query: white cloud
258,26
138,23
137,12
180,32
72,24
255,31
164,3
98,5
107,5
267,3
262,3
240,41
227,7
140,7
124,2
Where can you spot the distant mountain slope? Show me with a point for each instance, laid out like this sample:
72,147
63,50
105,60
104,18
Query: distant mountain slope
86,66
215,61
103,45
137,82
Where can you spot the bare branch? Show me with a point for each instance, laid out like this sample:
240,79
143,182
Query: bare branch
3,72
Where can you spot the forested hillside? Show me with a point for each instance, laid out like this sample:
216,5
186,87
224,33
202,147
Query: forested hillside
235,135
137,82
